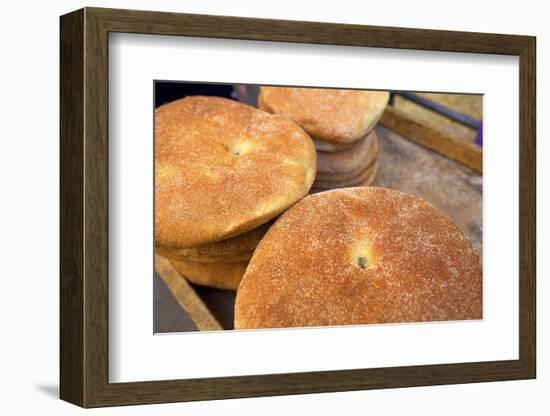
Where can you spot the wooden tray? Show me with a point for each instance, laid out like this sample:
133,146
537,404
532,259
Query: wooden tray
413,157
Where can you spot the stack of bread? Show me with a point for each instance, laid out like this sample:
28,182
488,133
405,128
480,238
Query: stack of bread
341,124
223,171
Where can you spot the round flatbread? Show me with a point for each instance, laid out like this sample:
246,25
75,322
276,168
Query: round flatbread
322,146
219,275
360,256
175,254
331,115
238,248
344,176
365,178
224,168
347,163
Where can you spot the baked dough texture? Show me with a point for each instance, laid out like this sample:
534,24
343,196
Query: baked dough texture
322,146
220,275
349,162
360,255
331,115
364,178
174,254
238,248
224,168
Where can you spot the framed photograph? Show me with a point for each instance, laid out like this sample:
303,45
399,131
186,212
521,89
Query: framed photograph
256,207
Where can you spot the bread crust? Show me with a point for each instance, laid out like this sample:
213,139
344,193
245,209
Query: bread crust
347,163
219,275
364,178
224,168
360,256
175,254
331,115
322,146
237,248
366,182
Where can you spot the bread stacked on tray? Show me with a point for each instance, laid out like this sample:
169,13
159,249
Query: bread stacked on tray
341,123
223,171
359,256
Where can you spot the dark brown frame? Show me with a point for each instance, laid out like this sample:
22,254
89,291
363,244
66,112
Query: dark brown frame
84,207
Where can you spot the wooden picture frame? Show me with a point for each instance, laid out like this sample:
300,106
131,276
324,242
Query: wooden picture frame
84,207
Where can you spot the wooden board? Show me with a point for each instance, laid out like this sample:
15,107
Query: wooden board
186,296
442,142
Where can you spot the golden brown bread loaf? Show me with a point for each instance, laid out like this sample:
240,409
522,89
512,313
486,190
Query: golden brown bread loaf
363,178
224,168
331,115
175,254
238,248
360,256
349,162
219,275
339,177
328,147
